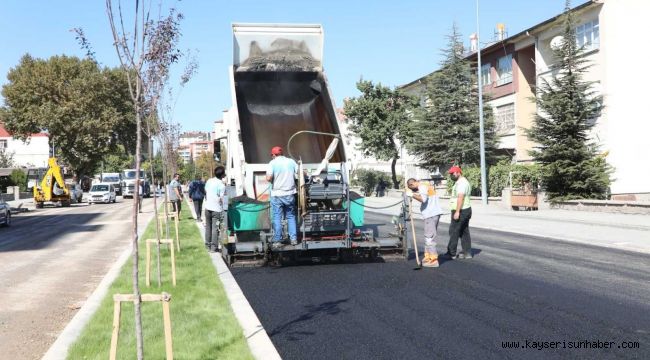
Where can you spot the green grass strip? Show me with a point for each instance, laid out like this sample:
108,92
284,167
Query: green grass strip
203,324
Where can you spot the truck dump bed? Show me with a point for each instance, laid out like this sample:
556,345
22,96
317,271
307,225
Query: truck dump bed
275,105
280,89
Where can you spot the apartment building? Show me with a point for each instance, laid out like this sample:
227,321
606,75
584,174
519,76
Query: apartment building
513,66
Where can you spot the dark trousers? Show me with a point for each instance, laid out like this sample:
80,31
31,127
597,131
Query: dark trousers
212,225
177,206
460,229
198,204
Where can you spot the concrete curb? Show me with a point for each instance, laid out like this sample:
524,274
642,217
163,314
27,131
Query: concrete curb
258,340
59,349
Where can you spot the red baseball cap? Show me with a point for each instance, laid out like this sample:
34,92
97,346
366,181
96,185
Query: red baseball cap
276,150
455,169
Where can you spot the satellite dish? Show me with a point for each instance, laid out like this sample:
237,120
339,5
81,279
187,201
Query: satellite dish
557,42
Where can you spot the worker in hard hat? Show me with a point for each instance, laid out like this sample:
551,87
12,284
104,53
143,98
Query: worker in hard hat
282,173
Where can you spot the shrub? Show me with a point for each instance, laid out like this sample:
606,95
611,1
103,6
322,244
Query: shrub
368,179
19,178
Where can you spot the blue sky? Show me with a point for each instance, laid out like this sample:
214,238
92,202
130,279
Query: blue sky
392,42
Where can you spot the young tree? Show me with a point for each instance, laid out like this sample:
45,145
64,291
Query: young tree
379,118
146,52
446,127
567,105
84,108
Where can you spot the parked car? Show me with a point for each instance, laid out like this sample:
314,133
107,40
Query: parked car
76,194
101,193
5,213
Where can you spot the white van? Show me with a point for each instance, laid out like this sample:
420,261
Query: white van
102,193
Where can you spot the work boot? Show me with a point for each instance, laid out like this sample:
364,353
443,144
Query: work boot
430,260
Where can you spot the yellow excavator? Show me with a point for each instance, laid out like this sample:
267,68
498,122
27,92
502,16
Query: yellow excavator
52,187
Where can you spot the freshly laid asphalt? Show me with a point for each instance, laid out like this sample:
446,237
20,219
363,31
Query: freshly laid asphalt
532,291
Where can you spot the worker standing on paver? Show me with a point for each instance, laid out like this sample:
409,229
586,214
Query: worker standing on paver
431,211
461,212
282,173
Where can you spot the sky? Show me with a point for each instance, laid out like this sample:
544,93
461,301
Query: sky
386,41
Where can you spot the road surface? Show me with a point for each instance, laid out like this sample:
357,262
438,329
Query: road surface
51,260
518,291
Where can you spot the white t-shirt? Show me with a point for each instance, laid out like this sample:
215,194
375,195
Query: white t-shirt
215,190
284,172
430,205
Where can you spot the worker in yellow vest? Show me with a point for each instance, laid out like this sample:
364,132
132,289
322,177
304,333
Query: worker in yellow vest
461,212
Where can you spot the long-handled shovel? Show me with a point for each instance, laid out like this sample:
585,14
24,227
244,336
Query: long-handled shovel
415,244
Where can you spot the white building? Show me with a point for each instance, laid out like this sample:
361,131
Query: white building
31,153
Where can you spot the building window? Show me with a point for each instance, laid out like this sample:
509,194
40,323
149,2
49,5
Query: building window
504,118
504,70
588,35
3,144
486,78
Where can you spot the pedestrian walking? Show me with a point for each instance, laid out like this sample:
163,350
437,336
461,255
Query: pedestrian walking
140,194
215,192
197,194
282,173
175,193
461,213
431,211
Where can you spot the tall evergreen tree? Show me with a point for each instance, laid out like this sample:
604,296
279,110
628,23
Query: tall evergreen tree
446,129
567,106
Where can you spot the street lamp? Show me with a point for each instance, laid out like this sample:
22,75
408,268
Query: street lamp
484,194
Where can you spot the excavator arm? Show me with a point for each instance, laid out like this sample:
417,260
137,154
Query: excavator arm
52,186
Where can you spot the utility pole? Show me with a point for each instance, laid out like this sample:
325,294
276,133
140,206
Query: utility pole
484,194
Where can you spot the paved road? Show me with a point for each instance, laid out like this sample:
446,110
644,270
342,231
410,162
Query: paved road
517,288
50,262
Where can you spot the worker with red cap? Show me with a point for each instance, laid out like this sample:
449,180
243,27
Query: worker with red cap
282,173
461,212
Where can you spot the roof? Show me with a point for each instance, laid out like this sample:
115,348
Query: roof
511,39
4,133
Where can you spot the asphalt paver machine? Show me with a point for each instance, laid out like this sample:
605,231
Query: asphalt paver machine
281,97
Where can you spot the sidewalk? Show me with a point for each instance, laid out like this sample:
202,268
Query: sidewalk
620,231
22,204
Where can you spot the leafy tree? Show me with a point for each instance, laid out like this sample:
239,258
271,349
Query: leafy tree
205,164
446,127
567,105
85,109
118,161
379,117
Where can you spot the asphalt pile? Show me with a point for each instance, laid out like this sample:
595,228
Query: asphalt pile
243,199
281,60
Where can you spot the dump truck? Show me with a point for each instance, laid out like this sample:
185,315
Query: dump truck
52,188
281,97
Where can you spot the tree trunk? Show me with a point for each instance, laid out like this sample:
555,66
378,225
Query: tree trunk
134,217
394,174
155,202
